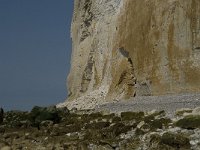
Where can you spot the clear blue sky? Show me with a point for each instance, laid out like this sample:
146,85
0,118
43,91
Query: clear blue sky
35,50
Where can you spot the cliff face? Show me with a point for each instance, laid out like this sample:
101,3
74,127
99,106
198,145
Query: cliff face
126,48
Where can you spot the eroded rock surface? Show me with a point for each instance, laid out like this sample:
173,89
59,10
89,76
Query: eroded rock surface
126,48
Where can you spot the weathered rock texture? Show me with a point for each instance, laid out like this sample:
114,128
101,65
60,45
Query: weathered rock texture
125,48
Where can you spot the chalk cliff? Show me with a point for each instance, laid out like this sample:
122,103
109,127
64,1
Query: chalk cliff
127,48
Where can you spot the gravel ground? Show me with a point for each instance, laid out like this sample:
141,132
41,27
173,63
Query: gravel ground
169,103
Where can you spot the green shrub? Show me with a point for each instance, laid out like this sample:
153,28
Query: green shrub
39,114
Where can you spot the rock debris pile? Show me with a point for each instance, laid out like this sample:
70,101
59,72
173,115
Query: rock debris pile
52,128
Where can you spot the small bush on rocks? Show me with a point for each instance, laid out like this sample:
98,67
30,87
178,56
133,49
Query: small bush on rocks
15,118
39,114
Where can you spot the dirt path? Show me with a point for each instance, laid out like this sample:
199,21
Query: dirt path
169,103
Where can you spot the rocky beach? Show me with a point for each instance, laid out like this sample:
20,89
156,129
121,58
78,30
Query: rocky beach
51,128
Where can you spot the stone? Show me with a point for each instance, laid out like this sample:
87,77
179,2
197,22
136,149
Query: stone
127,48
181,111
189,122
6,148
175,130
63,112
175,140
196,111
73,110
140,124
46,123
167,140
119,128
152,125
116,119
130,144
97,125
193,142
132,115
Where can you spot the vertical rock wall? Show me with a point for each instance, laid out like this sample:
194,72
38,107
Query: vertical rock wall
163,39
126,48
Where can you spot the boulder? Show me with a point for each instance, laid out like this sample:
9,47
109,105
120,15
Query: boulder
180,112
175,140
196,111
168,141
189,122
132,116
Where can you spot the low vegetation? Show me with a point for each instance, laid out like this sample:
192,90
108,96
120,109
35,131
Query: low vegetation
53,128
